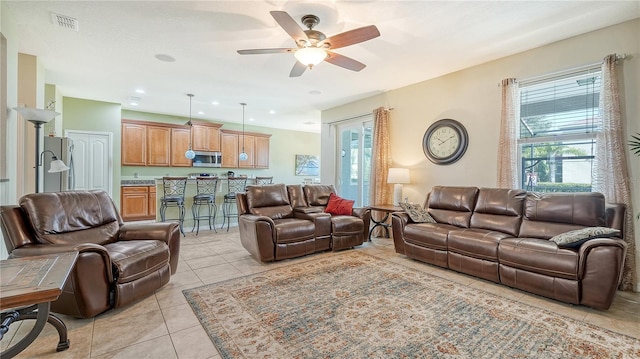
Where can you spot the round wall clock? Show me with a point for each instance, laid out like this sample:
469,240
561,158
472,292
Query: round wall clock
445,141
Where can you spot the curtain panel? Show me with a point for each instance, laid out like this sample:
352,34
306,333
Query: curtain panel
380,191
611,167
507,144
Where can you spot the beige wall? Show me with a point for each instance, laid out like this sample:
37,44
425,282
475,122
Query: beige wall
472,96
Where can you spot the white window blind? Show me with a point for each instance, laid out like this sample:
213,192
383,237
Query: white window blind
561,106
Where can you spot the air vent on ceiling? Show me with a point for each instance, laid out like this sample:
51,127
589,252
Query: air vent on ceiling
66,22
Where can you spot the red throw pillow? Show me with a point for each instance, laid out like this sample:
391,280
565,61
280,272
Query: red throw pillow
339,205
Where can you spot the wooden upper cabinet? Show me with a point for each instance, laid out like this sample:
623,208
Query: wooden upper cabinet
158,146
249,143
261,152
229,144
134,139
206,136
179,145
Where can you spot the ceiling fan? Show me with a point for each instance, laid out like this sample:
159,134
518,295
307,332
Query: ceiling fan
313,46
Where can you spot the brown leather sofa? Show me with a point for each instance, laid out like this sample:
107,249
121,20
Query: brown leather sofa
118,263
277,222
502,235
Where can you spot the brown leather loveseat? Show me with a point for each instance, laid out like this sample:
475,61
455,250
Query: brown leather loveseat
503,235
117,263
278,222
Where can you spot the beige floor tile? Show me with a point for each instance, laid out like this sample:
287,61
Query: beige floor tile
171,296
250,266
193,343
121,331
208,261
146,305
179,317
157,348
236,256
218,273
183,278
195,250
79,335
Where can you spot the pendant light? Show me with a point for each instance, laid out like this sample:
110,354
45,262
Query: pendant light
190,154
243,155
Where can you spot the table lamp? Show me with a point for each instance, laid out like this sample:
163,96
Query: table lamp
397,176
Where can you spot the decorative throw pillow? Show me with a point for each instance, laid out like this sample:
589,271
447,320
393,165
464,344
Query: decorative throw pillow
574,239
339,206
417,213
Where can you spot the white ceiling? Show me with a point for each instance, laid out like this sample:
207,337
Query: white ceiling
113,53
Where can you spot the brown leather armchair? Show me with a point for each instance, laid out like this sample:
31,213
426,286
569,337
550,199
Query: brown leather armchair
118,263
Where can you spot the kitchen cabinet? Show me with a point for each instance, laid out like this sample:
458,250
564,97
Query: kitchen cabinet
179,145
261,151
137,203
256,145
158,146
134,139
205,136
229,144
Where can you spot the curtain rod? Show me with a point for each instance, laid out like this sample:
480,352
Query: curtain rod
354,117
535,79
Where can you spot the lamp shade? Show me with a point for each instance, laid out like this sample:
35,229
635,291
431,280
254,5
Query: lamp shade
398,175
310,56
57,166
36,115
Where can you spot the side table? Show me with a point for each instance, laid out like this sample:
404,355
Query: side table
27,287
387,209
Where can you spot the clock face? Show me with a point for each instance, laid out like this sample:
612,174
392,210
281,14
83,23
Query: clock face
445,141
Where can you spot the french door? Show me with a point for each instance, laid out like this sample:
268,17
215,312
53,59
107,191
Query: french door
354,160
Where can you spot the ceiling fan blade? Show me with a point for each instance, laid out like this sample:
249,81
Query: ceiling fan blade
265,51
343,61
353,36
298,69
289,25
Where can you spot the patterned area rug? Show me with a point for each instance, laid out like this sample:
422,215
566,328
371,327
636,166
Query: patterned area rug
353,305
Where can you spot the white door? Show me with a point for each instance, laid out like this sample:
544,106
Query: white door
92,160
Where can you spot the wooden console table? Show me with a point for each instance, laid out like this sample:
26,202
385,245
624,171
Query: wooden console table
27,287
387,209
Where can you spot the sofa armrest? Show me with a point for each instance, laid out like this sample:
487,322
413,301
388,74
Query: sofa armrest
307,210
257,236
600,266
167,232
398,221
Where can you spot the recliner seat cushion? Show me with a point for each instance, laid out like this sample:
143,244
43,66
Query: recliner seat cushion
430,235
346,225
137,259
476,243
538,256
289,230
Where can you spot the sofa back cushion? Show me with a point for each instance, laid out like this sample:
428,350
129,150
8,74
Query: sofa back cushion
499,209
269,200
549,214
296,195
318,194
72,217
452,205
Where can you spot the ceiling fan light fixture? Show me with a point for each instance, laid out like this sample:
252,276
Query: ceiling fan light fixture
310,56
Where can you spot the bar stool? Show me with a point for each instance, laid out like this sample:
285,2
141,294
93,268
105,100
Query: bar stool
174,188
264,180
206,188
229,209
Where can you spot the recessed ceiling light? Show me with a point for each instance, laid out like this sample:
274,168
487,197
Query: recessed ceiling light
215,103
133,103
140,91
272,112
314,92
252,119
165,58
200,113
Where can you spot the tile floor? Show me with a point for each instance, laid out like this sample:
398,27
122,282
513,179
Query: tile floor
164,326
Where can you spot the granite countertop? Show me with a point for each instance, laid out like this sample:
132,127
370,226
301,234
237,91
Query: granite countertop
137,183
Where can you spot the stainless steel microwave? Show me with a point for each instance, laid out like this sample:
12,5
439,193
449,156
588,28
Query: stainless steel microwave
207,159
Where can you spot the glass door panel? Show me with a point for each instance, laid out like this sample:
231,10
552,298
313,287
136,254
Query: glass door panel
354,161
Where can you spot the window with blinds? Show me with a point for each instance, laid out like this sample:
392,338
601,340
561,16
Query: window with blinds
559,117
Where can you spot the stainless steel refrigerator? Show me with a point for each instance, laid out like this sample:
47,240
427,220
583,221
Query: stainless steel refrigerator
62,147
